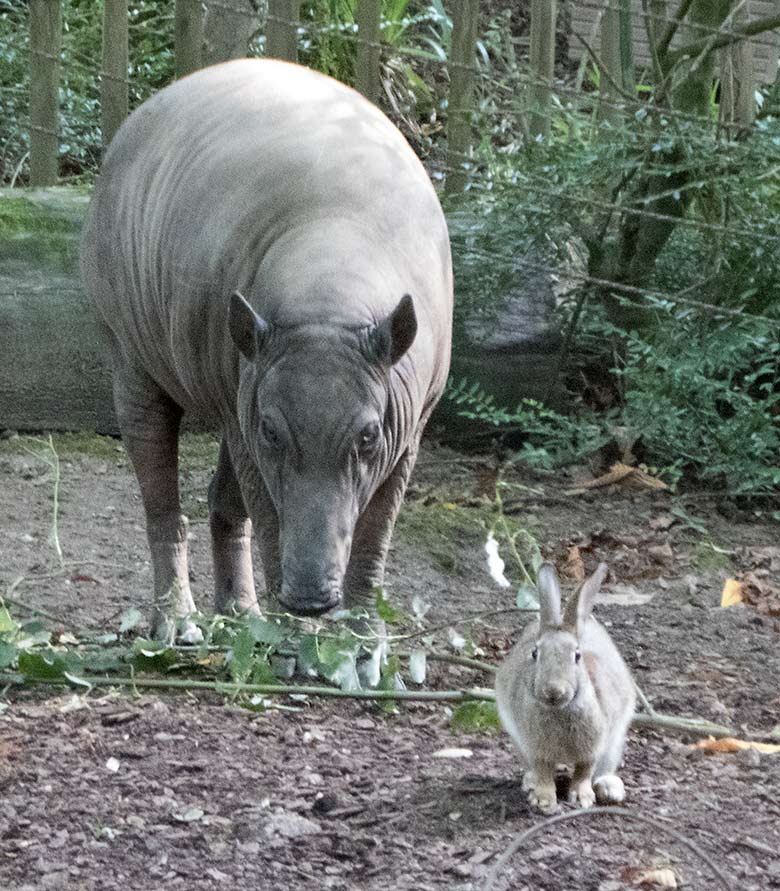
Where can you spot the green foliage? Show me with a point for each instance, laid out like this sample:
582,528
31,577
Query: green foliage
552,439
475,717
706,393
151,67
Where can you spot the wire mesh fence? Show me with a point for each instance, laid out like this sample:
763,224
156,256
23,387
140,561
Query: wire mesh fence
621,190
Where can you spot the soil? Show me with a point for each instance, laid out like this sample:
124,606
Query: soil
108,790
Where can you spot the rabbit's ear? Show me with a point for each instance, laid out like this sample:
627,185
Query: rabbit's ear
580,604
549,597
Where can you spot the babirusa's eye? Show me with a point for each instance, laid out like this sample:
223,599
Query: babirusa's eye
577,655
270,434
369,438
535,653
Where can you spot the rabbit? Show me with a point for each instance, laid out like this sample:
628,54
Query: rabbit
565,696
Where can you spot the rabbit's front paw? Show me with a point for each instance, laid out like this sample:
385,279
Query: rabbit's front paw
530,780
544,799
609,789
583,793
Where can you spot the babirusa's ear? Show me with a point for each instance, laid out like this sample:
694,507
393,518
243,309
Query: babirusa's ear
247,329
549,597
393,336
580,604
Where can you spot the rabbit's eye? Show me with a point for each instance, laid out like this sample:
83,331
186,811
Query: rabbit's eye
577,655
535,653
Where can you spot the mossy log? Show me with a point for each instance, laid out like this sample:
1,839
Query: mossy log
52,372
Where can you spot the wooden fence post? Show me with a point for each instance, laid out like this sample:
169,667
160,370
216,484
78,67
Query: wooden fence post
737,81
282,29
113,91
541,59
45,41
368,17
617,58
465,22
188,36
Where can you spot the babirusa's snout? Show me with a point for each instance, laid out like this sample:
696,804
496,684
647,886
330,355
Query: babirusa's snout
316,540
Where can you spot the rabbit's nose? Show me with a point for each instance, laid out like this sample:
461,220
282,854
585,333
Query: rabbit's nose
555,694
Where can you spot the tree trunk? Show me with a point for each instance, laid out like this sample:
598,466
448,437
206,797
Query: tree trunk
45,41
461,64
368,17
629,258
227,29
113,90
737,87
541,60
188,36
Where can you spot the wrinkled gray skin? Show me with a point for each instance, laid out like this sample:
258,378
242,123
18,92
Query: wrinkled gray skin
264,249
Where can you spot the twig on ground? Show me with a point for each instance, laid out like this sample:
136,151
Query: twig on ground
755,846
468,695
465,661
474,617
8,597
471,694
644,700
683,725
598,812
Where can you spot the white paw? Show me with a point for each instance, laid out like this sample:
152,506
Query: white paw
543,798
584,794
529,781
609,789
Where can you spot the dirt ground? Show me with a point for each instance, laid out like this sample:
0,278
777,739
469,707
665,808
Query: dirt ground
205,794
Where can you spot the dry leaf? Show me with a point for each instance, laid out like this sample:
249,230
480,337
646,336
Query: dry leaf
452,753
760,594
714,746
575,568
658,878
634,477
662,523
732,593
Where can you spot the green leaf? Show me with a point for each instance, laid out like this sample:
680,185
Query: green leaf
338,663
308,654
153,655
473,717
130,619
387,612
8,653
242,655
527,598
7,624
43,666
266,632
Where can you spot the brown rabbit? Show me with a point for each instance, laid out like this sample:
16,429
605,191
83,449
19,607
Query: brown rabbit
565,696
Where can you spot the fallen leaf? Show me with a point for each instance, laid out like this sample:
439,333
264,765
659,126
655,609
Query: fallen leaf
575,568
661,552
663,522
191,815
624,474
760,594
732,593
658,878
623,595
729,744
452,753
